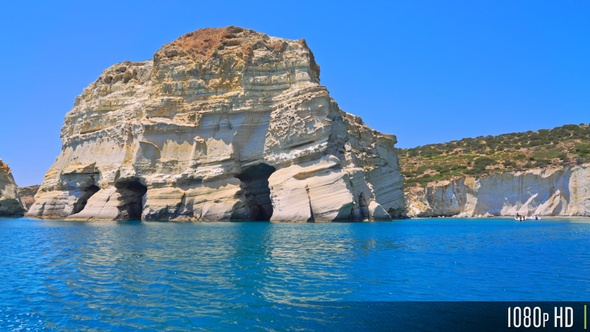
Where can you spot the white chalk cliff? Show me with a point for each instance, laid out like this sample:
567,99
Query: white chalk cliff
10,204
546,192
222,124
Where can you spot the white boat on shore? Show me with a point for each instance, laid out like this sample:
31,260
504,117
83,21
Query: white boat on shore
523,218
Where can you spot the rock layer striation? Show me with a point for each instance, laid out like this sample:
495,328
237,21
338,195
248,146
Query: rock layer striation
10,204
563,191
222,124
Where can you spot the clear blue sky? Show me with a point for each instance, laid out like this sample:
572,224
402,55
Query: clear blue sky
426,71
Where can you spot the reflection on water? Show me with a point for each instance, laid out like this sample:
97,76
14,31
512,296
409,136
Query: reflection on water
313,260
59,275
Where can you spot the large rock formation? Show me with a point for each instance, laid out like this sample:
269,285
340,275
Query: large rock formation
550,192
10,204
222,124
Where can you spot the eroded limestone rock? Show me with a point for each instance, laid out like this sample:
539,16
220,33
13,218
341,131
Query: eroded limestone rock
10,204
222,124
546,192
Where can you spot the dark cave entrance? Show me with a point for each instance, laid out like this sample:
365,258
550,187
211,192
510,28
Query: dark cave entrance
255,188
83,200
132,192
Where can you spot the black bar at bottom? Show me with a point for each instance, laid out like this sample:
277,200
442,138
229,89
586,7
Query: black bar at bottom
439,316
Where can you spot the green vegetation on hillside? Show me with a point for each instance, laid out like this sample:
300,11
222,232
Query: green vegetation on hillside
566,145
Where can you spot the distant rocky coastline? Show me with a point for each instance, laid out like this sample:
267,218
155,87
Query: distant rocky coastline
222,124
10,204
27,195
544,172
554,191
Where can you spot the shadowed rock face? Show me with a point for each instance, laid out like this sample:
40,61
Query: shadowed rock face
222,124
254,185
10,204
27,195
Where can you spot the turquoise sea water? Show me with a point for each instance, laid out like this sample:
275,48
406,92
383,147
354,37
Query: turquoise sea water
58,275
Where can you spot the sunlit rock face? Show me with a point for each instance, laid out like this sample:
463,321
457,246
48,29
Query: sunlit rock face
545,192
10,204
222,124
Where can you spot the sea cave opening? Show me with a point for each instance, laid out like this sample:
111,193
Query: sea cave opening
83,200
132,192
257,192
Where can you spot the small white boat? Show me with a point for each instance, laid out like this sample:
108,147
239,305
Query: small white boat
523,218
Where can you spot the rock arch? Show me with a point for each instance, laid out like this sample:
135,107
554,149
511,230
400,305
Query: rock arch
131,192
83,199
254,185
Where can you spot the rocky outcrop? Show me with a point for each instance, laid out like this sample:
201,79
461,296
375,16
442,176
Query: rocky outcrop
222,124
27,195
547,192
10,204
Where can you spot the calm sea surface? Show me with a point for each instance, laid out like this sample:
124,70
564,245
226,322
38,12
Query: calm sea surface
62,276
